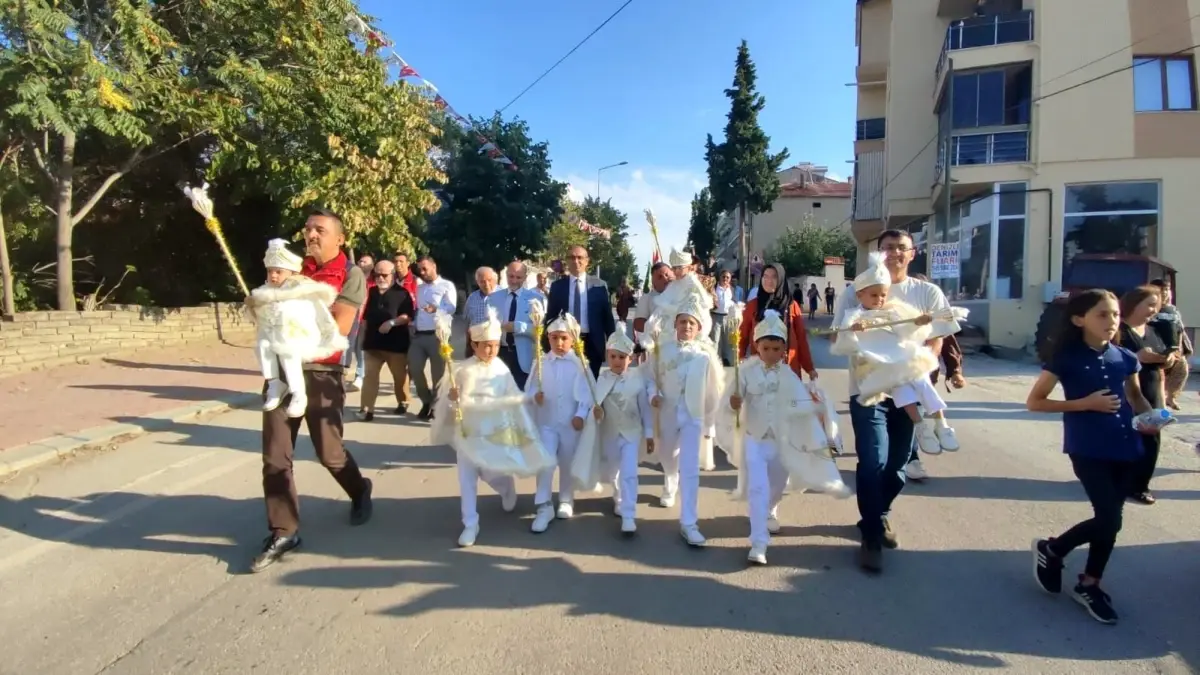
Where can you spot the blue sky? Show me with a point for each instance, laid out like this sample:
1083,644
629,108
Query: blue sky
645,89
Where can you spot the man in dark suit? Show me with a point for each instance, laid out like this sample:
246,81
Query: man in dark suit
586,298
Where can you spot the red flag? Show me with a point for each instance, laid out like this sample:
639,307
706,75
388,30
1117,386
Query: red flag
408,71
655,258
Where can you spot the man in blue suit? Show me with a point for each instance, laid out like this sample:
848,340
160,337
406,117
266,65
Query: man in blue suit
586,298
512,307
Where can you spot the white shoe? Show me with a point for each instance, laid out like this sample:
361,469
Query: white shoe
691,534
757,555
927,440
628,526
297,405
773,525
915,471
508,502
616,505
467,538
666,500
276,390
357,385
545,514
565,511
947,438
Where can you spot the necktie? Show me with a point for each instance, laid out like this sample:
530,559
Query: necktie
512,315
577,300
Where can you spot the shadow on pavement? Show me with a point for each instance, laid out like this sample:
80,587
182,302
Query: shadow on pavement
177,392
179,367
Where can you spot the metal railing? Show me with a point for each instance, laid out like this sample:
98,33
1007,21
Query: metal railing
985,31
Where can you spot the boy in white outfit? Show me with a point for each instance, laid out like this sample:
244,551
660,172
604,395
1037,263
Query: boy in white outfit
294,327
496,438
563,404
627,423
686,381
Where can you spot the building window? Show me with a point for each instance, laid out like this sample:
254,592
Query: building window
991,98
870,129
1164,83
1110,218
990,235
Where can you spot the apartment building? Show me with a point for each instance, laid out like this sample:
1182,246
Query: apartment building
1009,136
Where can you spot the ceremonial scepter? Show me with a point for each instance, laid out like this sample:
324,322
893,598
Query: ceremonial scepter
537,315
577,344
733,329
947,314
654,328
443,323
204,206
654,232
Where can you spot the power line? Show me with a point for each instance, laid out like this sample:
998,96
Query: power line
1031,102
1114,53
566,56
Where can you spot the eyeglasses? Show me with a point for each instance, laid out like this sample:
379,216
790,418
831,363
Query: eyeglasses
897,249
382,275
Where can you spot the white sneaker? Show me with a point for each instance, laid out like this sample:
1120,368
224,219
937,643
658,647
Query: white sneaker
666,500
508,502
915,471
947,438
467,538
545,514
691,534
616,505
757,555
276,390
357,385
628,526
565,511
297,405
927,440
773,525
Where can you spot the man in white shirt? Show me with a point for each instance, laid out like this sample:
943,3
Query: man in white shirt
586,298
661,276
883,433
725,299
434,295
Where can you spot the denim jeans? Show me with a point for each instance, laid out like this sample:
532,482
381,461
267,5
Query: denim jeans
356,350
883,439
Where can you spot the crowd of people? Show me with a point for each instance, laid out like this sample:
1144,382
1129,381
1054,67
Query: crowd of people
549,383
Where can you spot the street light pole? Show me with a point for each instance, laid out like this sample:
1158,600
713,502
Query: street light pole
603,168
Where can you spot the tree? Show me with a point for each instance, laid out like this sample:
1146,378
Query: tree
493,214
565,233
802,250
741,171
702,233
612,256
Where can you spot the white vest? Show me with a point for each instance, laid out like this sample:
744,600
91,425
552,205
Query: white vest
565,391
683,373
761,400
620,396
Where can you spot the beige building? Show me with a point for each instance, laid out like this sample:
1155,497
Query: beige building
807,194
1069,126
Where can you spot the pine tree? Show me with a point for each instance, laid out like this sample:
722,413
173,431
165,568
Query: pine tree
702,233
741,171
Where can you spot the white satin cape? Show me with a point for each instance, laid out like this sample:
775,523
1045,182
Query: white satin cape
498,433
805,429
882,359
295,320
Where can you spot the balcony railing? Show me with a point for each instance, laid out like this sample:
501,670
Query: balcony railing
1001,147
870,129
985,31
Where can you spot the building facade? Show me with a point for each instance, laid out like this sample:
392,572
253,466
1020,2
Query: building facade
1008,139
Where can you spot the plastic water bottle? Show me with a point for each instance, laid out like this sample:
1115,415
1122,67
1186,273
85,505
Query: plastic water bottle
1154,419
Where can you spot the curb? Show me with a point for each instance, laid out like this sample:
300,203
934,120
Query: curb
62,446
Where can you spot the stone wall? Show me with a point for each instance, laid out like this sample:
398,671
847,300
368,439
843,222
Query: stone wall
35,340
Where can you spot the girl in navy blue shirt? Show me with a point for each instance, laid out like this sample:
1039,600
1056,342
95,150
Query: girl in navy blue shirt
1101,394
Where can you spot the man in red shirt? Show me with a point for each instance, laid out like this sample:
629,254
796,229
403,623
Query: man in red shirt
404,275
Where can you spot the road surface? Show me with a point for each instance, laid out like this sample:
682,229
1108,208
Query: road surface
133,561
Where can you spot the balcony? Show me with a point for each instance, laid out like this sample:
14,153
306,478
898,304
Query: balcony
870,129
1011,28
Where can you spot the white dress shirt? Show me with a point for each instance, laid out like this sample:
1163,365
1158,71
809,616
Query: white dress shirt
724,299
441,294
580,312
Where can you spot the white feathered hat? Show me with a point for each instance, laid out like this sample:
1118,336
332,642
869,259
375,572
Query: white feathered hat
695,307
679,258
772,325
279,257
489,330
876,274
619,342
565,323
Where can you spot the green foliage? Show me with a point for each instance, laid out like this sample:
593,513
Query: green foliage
612,256
802,250
564,234
702,232
741,169
493,214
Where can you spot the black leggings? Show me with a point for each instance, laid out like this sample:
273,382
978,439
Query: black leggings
1144,468
1106,483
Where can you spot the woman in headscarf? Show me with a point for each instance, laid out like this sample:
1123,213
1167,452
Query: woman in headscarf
773,294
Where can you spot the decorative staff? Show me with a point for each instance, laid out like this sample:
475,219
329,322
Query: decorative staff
442,325
654,232
733,332
654,331
537,316
947,314
577,344
204,206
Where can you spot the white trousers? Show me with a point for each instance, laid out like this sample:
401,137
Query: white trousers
680,458
766,480
468,488
621,462
272,365
922,392
561,440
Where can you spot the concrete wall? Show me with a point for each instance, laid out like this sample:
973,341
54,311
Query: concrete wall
792,212
41,339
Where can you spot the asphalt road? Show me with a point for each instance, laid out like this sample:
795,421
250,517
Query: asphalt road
133,561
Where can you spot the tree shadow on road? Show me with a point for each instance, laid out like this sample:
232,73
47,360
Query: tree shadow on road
174,392
179,367
1019,489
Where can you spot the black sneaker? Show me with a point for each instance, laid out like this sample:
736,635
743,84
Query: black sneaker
890,540
1047,567
1096,602
1144,498
361,508
274,547
870,558
401,410
426,412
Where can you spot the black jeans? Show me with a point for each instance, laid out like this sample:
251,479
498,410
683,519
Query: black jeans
1143,469
1106,483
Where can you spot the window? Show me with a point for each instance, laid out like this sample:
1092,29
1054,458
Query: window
1110,218
991,98
990,233
870,129
1164,83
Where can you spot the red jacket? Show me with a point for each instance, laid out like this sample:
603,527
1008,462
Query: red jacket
799,357
333,273
409,282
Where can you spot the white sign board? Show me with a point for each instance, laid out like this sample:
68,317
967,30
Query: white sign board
943,261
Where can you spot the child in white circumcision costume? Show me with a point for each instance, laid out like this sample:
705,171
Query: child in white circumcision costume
893,361
686,380
627,426
294,327
496,440
562,407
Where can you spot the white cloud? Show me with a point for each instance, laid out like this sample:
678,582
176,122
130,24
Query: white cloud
667,192
835,176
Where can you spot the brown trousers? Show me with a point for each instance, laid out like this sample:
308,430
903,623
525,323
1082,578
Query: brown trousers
326,396
397,363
